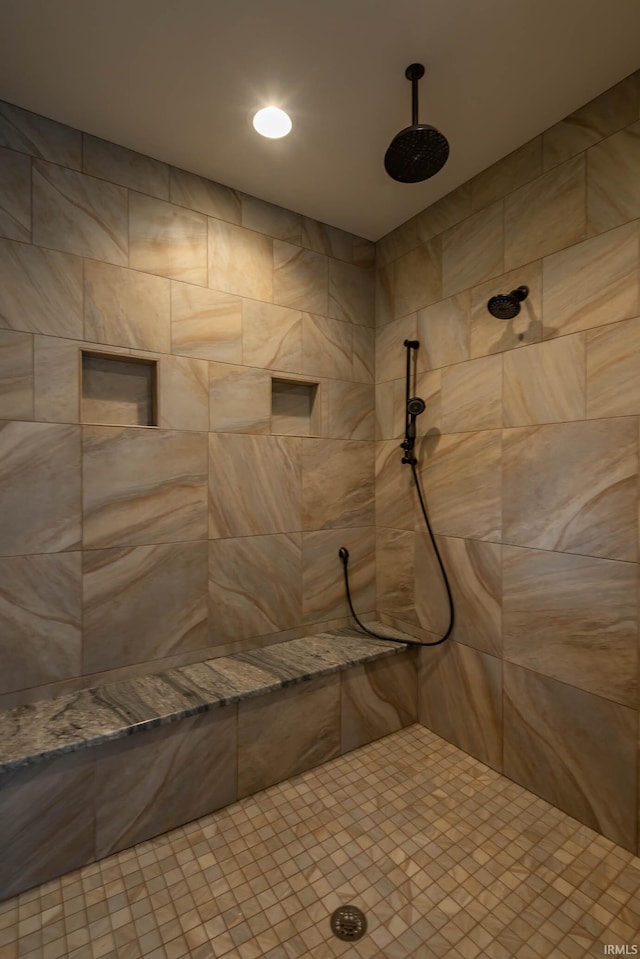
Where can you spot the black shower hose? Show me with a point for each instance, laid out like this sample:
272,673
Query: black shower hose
343,553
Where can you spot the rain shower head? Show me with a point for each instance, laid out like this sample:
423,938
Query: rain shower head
506,306
419,151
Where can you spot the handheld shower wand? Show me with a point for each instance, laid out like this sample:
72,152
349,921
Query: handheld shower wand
414,406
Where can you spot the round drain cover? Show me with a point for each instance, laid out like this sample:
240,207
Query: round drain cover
349,923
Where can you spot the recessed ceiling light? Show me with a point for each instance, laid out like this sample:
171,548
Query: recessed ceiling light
272,122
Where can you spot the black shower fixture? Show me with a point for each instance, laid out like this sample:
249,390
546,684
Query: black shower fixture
419,151
505,306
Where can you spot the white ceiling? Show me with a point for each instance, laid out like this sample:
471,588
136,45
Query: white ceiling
180,80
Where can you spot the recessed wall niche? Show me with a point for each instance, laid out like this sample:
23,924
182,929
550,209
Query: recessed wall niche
295,407
119,390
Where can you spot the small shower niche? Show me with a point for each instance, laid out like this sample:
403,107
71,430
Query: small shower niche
118,390
295,407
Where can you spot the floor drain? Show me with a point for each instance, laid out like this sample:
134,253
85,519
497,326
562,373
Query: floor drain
349,923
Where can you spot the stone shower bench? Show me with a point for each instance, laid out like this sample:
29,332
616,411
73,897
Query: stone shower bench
78,782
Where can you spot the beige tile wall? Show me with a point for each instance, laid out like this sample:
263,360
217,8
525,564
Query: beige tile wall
528,458
126,549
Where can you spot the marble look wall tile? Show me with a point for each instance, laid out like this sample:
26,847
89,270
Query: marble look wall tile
573,618
126,308
460,699
489,335
327,347
240,261
462,483
473,250
592,283
471,395
590,770
396,500
323,590
612,110
391,355
39,488
429,388
184,393
474,569
322,238
363,252
50,808
40,290
281,735
16,375
545,215
390,414
108,161
351,293
613,370
167,240
205,323
378,699
598,518
384,294
395,574
15,195
613,167
443,332
154,770
351,410
255,586
57,363
143,603
337,484
417,279
239,399
431,603
300,278
205,196
271,337
509,173
364,354
435,219
545,383
255,485
142,486
40,619
40,137
274,221
79,214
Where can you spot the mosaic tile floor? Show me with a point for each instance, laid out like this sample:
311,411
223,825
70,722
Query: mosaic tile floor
445,857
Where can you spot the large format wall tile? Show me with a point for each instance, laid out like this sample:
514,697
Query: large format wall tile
545,382
473,250
40,290
203,195
573,618
430,596
351,293
443,332
39,137
592,283
417,279
460,699
323,587
239,399
391,354
395,493
471,395
143,486
205,323
327,347
271,337
546,215
283,734
143,603
240,261
351,410
108,161
40,619
613,168
79,214
574,749
474,570
300,278
395,573
156,771
613,370
255,485
268,218
512,171
167,239
598,518
462,483
50,809
16,375
364,354
490,335
126,308
378,699
255,586
337,483
184,393
39,488
15,195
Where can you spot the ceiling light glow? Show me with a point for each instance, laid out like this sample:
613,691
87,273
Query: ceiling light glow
272,122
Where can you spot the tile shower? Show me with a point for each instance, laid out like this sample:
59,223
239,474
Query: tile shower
131,549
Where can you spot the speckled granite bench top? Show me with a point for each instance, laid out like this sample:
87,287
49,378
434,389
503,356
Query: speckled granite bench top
41,730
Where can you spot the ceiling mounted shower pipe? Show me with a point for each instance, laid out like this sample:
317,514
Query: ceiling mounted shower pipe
420,151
